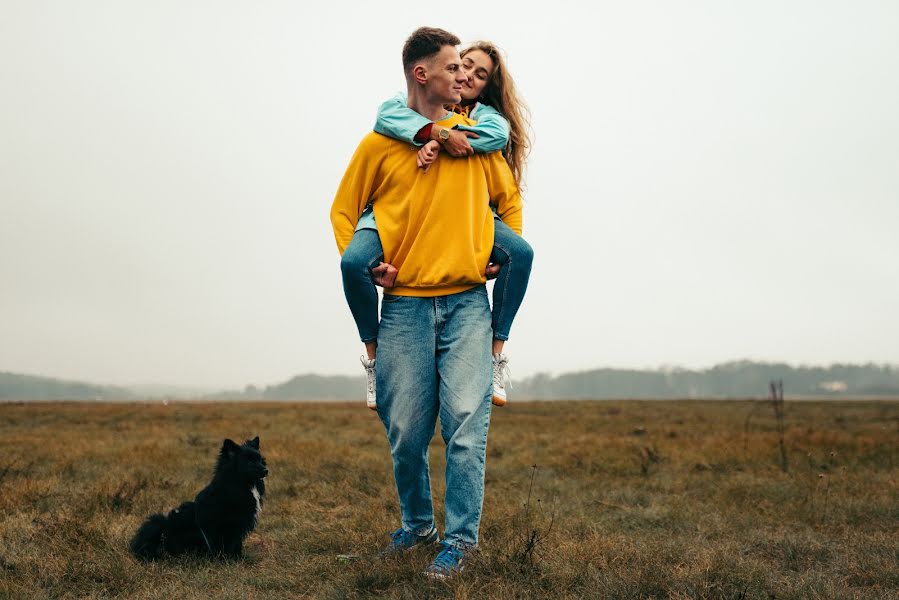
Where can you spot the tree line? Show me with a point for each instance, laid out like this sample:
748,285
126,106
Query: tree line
737,379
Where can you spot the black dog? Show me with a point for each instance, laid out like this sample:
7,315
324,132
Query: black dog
221,515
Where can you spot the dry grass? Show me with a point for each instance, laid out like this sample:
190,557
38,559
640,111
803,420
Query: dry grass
650,499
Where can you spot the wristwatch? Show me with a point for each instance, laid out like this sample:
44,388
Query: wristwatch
443,134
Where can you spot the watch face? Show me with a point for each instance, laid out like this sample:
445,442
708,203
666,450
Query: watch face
444,134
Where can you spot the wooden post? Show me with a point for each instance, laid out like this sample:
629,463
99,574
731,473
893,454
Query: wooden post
777,402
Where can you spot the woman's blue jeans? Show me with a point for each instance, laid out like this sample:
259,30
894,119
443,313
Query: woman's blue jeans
434,359
510,251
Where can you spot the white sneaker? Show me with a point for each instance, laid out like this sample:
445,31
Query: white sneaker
370,398
500,374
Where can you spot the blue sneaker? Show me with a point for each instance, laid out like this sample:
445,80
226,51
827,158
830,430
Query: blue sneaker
403,541
448,562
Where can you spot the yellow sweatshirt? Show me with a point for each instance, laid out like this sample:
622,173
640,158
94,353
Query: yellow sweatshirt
436,227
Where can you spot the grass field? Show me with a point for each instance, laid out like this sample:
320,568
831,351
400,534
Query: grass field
629,499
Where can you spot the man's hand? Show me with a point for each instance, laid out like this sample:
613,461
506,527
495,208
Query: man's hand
427,154
457,145
492,270
384,275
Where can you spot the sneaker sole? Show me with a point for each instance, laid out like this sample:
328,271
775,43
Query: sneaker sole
442,576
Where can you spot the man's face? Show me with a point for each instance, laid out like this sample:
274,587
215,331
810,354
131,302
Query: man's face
446,77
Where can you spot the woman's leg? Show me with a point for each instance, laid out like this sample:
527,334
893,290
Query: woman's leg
514,255
363,253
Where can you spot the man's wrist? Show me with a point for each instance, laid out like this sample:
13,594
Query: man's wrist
440,134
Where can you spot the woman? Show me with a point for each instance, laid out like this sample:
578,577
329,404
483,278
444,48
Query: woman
489,98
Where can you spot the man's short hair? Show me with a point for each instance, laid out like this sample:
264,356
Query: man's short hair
425,42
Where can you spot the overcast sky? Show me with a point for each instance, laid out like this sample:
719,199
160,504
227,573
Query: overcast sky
709,181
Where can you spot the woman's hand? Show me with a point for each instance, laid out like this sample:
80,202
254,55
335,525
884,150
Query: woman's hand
384,275
427,154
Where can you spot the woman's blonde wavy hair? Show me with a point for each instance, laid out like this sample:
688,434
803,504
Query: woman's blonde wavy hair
500,93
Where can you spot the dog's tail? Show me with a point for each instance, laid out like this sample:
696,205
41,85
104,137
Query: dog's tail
147,542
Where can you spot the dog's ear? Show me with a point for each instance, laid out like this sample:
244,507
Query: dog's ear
229,448
255,442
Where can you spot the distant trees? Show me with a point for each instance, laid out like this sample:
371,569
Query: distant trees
738,379
14,386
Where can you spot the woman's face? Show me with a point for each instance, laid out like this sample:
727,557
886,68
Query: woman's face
479,67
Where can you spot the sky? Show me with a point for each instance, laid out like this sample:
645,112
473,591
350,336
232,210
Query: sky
709,181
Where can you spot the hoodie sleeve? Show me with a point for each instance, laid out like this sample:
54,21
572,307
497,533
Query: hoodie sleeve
355,190
398,121
491,127
504,193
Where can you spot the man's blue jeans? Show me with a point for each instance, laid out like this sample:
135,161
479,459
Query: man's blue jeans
434,359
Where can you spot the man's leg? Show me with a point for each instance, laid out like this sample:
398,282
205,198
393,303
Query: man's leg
407,401
464,367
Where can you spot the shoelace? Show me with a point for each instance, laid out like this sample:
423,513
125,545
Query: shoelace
398,534
370,372
503,373
403,537
396,542
448,558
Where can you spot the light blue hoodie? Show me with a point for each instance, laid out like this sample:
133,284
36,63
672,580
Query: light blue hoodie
397,120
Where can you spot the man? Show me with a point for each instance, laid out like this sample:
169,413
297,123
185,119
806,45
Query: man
435,335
